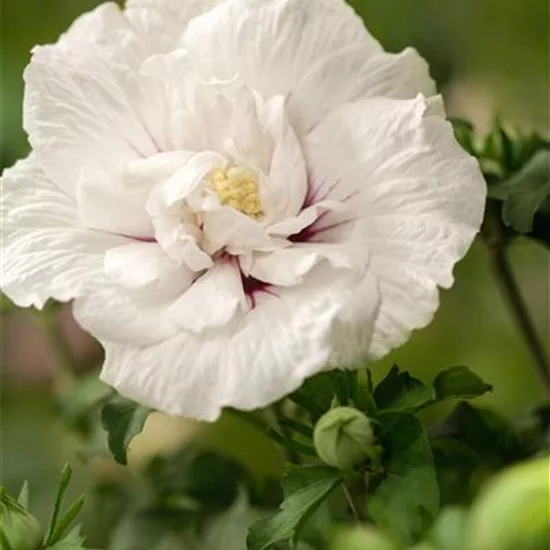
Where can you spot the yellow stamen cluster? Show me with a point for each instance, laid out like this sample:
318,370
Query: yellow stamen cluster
237,188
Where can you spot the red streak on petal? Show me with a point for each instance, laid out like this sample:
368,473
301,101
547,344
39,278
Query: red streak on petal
252,287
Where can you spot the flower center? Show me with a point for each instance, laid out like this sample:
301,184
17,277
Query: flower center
237,188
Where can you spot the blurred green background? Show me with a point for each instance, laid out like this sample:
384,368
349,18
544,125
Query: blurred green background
490,57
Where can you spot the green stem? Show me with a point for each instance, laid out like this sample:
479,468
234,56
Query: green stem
493,236
296,426
292,456
273,434
351,504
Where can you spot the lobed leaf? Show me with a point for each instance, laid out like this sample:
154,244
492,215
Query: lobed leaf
406,500
122,419
305,488
525,193
459,382
400,391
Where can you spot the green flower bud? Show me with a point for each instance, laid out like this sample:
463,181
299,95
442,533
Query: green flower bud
361,538
343,437
18,527
514,510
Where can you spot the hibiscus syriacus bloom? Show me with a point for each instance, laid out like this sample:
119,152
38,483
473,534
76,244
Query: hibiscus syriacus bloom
236,195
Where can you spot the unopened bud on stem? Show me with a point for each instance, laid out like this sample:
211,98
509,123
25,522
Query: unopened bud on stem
343,437
21,530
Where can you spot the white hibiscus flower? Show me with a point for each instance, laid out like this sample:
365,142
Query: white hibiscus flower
236,195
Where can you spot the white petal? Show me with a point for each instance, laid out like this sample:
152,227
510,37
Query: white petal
179,240
246,140
350,74
135,316
292,226
408,301
44,252
340,146
85,101
237,232
117,315
149,171
261,356
170,67
190,175
227,116
161,23
421,200
287,266
271,44
285,188
181,83
353,329
212,300
137,264
105,203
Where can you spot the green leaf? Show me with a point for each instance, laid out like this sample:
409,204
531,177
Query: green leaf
298,427
363,397
399,391
305,488
23,497
64,481
184,489
459,382
344,383
526,146
525,193
460,470
85,396
122,419
206,477
315,395
464,133
473,443
406,499
68,517
484,432
506,148
74,541
497,146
